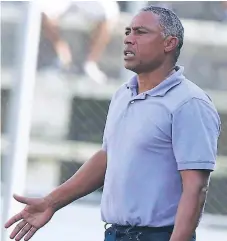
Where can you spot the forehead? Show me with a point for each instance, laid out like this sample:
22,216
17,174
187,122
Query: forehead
146,19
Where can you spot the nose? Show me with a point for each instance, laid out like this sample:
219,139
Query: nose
129,39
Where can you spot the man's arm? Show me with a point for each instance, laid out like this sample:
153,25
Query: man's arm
195,132
87,179
195,187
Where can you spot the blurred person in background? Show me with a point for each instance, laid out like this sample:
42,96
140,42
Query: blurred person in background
105,13
224,5
159,146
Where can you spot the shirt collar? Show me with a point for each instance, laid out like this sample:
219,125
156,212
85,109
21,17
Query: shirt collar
161,89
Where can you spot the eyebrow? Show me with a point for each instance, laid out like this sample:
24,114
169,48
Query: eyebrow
137,28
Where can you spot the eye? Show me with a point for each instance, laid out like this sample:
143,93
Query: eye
126,32
140,32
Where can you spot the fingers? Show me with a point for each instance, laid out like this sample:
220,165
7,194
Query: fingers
24,231
13,220
17,229
21,230
21,199
30,233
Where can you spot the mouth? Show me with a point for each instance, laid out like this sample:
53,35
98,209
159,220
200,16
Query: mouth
128,54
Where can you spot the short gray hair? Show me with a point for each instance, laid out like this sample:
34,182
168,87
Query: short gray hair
171,25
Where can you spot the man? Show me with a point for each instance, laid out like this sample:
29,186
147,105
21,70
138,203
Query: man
159,146
104,13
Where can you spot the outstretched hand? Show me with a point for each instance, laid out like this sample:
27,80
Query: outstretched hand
35,215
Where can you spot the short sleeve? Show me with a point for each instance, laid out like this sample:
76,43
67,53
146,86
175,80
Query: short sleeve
195,132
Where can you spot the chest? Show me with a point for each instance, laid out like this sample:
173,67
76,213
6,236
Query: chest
142,121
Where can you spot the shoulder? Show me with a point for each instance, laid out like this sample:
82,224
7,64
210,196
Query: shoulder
188,93
120,92
196,108
194,96
119,95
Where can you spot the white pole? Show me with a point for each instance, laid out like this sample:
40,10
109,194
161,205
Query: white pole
22,91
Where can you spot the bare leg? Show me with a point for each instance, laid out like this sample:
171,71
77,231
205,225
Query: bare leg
52,33
100,39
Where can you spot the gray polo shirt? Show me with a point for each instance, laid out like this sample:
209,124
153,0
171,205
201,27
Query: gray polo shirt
149,138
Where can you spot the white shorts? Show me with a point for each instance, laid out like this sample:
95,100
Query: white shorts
93,9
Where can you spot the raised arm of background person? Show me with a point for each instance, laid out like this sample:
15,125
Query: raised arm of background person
39,211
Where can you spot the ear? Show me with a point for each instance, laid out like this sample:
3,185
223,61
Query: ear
170,43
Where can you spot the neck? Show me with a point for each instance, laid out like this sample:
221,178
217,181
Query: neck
148,80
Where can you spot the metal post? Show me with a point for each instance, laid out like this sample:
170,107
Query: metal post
19,120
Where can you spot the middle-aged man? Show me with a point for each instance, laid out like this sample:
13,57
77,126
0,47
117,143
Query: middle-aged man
159,146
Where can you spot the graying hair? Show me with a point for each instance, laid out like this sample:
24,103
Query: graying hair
171,25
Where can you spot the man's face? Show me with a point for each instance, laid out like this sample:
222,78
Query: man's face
144,43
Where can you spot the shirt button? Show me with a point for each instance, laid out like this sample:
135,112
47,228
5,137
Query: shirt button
132,101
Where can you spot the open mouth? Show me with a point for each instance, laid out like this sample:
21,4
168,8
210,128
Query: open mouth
129,53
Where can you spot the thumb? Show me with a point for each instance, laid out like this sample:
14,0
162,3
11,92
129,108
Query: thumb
22,199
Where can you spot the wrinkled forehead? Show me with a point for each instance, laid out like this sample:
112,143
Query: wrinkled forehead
146,19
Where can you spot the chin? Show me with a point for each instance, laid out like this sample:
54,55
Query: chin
130,67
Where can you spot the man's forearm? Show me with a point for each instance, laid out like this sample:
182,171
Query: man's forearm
87,179
188,213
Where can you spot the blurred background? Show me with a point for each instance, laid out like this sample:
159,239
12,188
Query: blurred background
60,64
